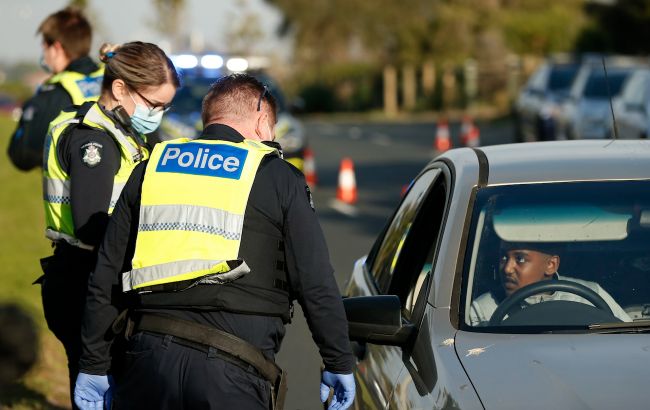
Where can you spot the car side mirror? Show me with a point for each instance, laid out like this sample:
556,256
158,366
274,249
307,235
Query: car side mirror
377,320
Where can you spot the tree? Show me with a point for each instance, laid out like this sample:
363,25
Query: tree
168,20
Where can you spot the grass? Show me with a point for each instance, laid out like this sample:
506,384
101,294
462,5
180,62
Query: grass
45,386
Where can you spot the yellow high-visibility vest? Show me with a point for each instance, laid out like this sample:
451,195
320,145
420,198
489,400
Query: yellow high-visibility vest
81,87
56,181
194,196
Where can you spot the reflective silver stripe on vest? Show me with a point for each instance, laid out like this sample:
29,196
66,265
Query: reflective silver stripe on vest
137,277
191,218
56,236
56,191
115,195
97,118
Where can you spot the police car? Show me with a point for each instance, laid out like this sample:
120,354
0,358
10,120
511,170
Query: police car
198,73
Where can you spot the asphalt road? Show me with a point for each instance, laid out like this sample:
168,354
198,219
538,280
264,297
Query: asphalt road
386,157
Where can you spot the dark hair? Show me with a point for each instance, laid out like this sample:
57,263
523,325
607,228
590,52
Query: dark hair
140,65
70,28
236,96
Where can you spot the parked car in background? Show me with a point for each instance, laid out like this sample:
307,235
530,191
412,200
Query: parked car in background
587,112
198,72
633,108
538,103
576,340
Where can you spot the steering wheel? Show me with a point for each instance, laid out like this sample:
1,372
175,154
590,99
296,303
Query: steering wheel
545,287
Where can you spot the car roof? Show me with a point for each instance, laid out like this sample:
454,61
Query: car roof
558,161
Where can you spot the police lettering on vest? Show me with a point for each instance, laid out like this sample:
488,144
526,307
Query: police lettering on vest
221,161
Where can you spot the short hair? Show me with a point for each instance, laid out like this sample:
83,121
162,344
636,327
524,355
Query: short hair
237,96
140,65
70,28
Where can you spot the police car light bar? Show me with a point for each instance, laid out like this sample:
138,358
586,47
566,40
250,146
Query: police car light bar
237,64
211,61
185,61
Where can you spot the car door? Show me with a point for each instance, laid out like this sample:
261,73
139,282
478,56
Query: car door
399,264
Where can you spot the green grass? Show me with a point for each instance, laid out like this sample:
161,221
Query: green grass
24,243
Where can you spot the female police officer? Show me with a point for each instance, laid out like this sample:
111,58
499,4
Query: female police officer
89,154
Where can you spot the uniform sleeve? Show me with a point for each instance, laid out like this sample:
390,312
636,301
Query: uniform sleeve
312,278
92,159
105,299
26,145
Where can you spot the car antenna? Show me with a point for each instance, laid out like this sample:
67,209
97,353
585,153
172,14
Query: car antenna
609,94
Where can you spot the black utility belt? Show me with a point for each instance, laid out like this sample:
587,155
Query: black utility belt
210,337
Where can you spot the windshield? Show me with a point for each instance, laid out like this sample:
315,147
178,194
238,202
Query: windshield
596,86
562,77
543,255
194,87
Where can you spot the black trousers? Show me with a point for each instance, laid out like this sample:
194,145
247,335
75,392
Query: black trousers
162,372
63,291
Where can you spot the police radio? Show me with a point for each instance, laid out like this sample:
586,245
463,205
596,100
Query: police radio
122,116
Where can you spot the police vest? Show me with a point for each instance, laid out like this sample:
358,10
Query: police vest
56,181
194,196
81,87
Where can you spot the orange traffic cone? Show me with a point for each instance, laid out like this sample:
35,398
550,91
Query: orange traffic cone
443,142
347,189
309,168
469,133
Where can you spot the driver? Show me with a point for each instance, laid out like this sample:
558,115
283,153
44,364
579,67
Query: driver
523,264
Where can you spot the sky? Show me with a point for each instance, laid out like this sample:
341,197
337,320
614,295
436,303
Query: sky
119,21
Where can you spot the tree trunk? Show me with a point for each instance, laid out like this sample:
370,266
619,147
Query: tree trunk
428,78
409,87
390,91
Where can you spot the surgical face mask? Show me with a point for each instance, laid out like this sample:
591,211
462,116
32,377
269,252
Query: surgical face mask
144,120
44,65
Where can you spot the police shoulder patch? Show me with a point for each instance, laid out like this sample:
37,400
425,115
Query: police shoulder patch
310,198
91,153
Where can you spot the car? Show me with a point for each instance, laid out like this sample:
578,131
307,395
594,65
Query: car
539,102
587,111
198,72
633,108
410,301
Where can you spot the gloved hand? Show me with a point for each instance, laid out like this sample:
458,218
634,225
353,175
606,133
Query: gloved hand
343,385
92,391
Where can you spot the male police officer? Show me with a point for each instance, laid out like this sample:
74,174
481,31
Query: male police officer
76,78
214,237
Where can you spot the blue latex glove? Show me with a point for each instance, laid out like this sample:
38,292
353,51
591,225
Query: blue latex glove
343,385
92,391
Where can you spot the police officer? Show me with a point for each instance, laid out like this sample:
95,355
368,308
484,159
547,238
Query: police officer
90,152
210,242
66,39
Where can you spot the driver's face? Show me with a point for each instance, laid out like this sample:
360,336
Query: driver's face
521,267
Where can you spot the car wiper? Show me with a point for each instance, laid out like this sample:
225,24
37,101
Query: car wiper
639,326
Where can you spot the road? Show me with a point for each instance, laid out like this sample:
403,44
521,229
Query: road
386,157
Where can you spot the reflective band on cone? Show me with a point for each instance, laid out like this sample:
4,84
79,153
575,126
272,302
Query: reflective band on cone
347,188
443,142
309,168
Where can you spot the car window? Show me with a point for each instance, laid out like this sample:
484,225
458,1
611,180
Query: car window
634,89
599,86
390,245
594,234
561,77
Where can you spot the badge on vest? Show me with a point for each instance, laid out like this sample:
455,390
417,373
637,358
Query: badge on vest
91,154
222,161
90,86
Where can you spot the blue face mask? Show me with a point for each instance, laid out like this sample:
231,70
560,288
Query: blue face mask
144,120
44,65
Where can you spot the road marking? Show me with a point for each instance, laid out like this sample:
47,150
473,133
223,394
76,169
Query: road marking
342,207
381,139
355,133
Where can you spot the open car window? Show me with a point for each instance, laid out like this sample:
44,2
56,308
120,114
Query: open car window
567,236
